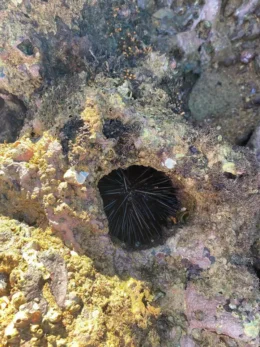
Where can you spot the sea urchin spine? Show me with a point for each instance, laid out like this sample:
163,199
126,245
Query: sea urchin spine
138,201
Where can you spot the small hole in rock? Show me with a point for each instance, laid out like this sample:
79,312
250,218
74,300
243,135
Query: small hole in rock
244,139
138,202
26,47
229,175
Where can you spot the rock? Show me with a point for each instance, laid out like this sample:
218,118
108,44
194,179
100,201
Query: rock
33,284
12,334
254,143
22,152
257,64
214,95
225,323
164,13
165,21
59,280
229,169
53,316
169,163
147,5
256,100
18,299
209,12
37,126
231,7
3,284
74,177
245,9
187,341
12,115
157,63
222,47
247,56
21,319
186,42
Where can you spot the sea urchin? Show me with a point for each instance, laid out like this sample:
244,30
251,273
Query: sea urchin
138,201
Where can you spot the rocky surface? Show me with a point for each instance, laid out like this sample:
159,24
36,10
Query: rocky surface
91,86
55,297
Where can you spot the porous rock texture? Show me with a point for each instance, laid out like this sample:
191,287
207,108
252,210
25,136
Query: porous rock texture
64,282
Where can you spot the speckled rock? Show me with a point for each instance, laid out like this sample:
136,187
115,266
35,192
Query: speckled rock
214,95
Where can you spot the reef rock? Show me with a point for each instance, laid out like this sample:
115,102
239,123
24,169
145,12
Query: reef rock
91,87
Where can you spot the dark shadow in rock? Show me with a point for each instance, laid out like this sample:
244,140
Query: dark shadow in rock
69,131
255,251
245,138
63,53
12,115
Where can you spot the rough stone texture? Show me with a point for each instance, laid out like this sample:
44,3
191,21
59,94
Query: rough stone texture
59,278
96,309
201,254
214,95
81,67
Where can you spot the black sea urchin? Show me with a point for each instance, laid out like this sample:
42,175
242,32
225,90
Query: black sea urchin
138,202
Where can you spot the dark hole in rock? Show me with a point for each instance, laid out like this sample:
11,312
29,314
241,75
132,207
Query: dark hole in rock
2,103
227,307
138,202
255,252
177,53
12,115
244,139
256,268
230,176
26,47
